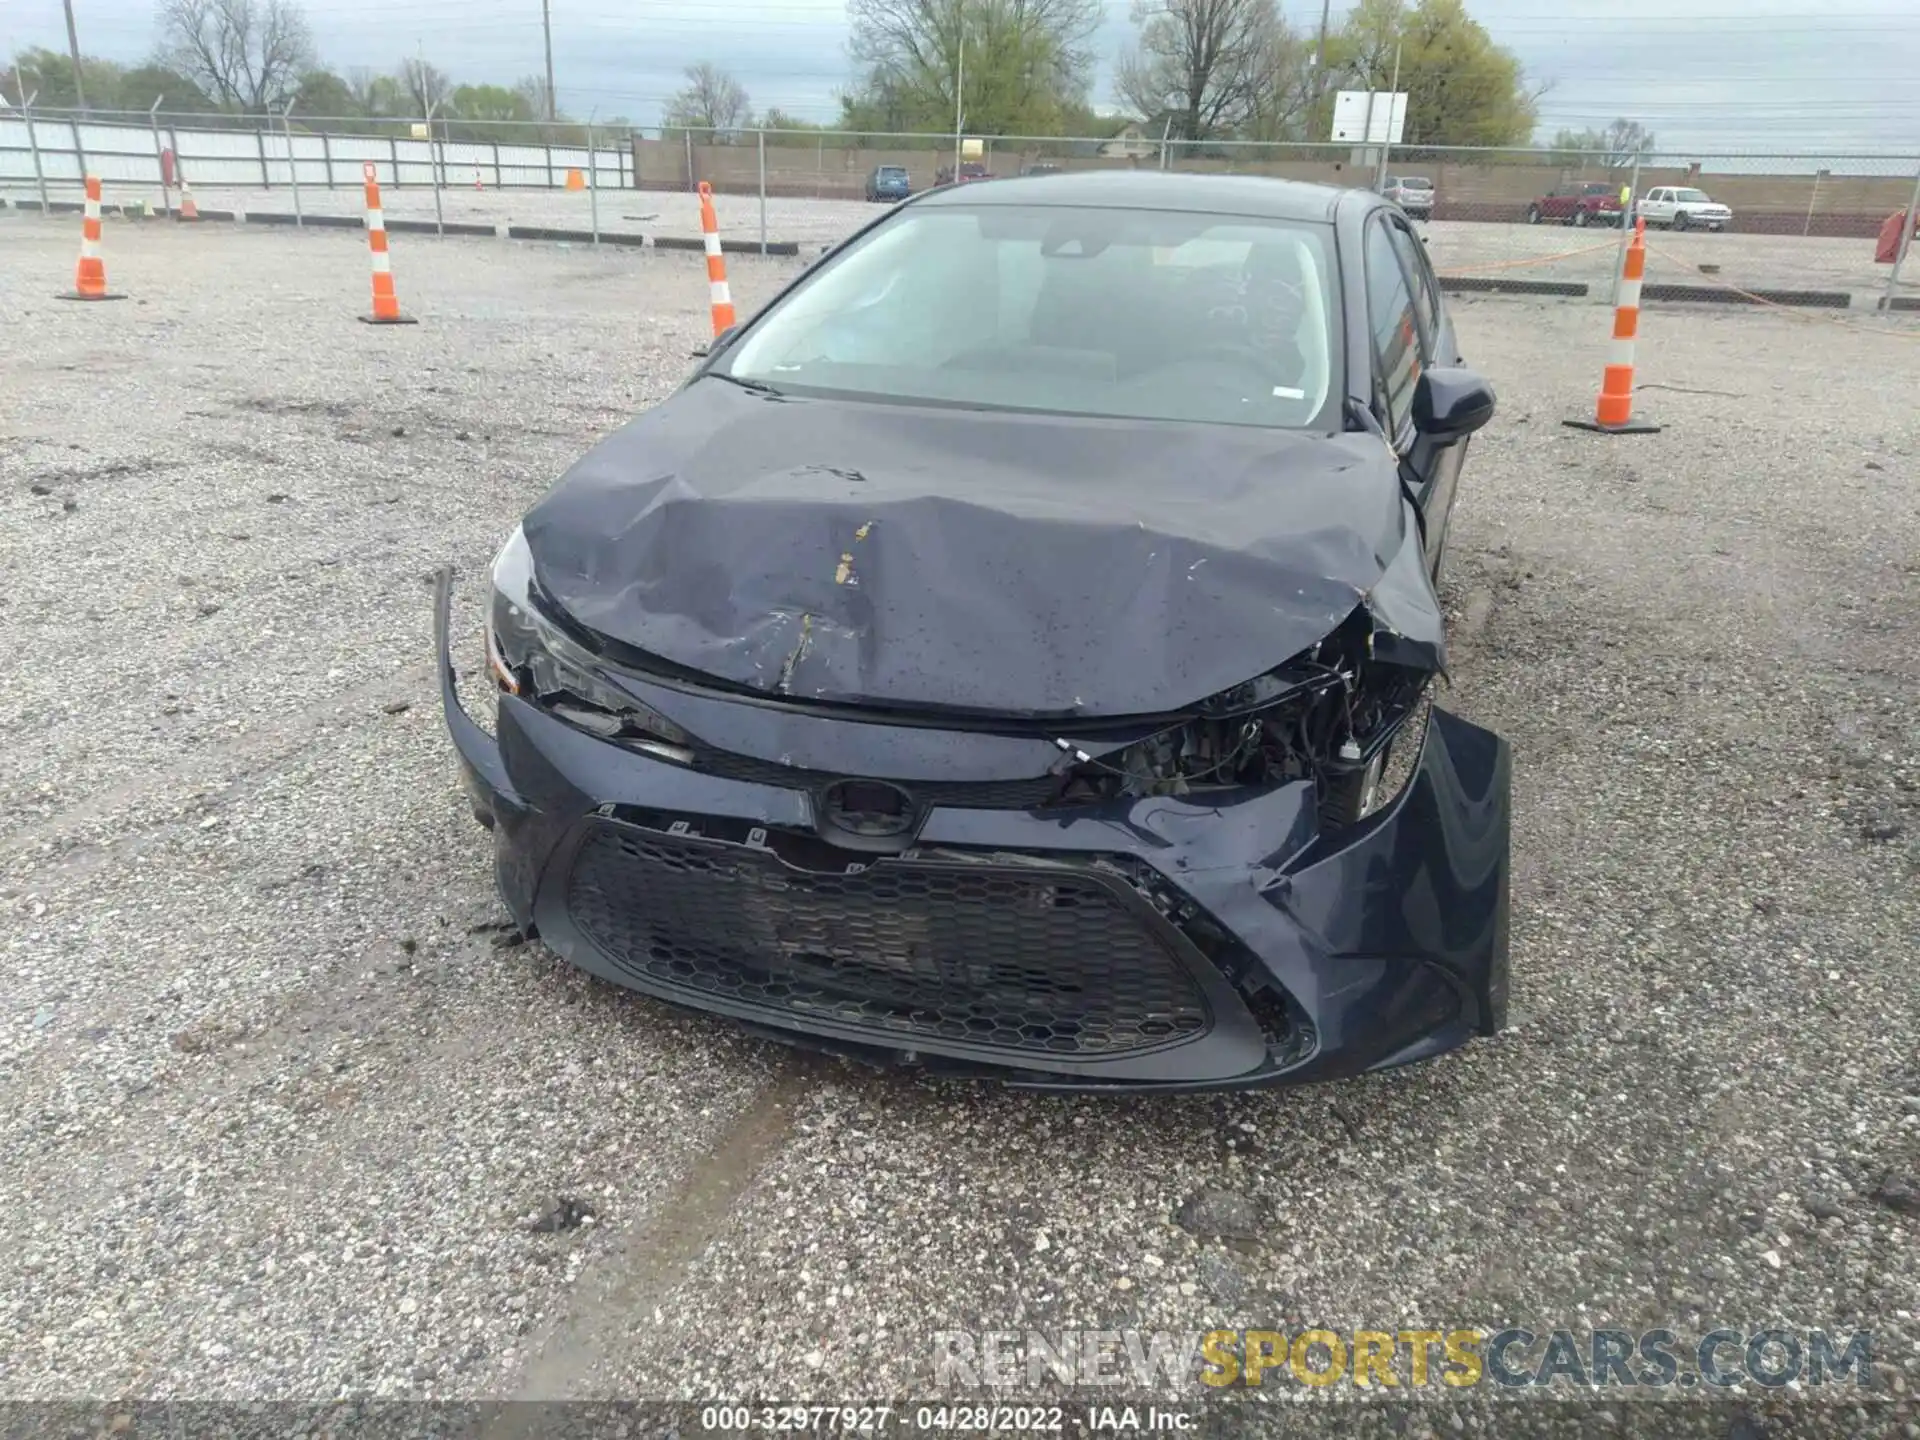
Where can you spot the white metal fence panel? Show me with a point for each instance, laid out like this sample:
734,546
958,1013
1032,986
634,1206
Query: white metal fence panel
265,156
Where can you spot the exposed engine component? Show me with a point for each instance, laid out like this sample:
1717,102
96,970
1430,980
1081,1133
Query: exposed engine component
1327,715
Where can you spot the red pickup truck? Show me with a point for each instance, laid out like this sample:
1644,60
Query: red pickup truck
969,170
1582,202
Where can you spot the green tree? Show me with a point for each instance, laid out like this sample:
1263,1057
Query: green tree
323,94
1461,88
110,87
1014,66
489,102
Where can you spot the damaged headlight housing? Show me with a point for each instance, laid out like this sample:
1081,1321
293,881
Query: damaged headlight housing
532,657
1334,714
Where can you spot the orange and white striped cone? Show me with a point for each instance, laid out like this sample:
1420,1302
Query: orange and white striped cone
90,275
188,210
1613,413
386,305
722,298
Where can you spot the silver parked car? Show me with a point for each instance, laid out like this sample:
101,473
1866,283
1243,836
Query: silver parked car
1412,193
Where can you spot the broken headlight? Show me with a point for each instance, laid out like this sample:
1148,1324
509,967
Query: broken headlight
532,657
1333,714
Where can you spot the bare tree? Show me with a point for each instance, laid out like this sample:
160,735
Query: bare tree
533,89
712,100
1207,61
247,54
1615,148
426,86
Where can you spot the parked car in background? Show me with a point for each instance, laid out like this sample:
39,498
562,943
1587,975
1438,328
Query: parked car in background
888,182
1579,202
969,170
1412,193
1679,207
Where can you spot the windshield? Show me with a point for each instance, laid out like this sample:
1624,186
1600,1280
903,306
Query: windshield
1596,189
1694,196
1415,182
1151,314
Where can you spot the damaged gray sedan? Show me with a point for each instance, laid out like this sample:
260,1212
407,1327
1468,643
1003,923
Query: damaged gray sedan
1009,653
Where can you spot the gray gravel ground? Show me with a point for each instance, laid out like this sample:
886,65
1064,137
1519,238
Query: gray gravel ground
280,1112
1543,252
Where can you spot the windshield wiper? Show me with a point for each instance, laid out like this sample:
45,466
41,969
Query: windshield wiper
759,387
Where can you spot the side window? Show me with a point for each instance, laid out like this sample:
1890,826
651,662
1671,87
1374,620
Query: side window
1426,302
1390,319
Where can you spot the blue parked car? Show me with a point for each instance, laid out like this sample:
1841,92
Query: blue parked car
888,182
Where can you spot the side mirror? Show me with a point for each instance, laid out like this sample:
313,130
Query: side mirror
1450,403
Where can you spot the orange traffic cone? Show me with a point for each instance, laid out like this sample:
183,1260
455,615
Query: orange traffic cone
719,296
1613,412
90,275
575,180
188,210
476,180
386,305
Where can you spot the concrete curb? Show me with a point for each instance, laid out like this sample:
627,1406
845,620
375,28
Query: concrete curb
1898,302
1714,295
451,227
1493,284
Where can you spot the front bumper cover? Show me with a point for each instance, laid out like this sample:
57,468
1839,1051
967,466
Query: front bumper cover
1305,957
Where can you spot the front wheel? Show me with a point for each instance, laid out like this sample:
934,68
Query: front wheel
1680,221
1533,214
1580,219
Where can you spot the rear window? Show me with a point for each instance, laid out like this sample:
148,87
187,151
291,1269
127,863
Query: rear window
1225,320
893,172
1415,182
1692,197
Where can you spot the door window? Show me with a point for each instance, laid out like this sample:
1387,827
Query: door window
1426,302
1394,329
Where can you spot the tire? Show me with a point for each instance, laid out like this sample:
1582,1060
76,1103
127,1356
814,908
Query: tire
1581,219
1533,214
1680,220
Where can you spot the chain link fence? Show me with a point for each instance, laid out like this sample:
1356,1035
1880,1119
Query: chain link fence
1820,230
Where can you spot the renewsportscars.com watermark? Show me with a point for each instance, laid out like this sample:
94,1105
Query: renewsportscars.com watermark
1563,1360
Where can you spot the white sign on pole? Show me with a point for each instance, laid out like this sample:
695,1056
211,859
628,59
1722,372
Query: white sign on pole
1362,117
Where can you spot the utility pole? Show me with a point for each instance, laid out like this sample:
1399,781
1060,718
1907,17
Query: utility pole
546,24
1386,141
959,112
73,49
1320,55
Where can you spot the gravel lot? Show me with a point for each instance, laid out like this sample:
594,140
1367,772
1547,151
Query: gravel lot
282,1111
1538,252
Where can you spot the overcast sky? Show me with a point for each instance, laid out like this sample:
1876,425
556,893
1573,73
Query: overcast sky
1704,75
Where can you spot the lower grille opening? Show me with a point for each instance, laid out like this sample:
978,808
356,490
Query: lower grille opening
1036,960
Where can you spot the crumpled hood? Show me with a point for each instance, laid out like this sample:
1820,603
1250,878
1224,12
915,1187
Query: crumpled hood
1012,564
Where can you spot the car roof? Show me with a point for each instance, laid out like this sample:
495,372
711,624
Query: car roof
1249,195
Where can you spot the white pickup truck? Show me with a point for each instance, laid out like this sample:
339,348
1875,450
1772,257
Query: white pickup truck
1679,208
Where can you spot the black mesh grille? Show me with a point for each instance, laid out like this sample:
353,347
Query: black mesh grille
976,794
1046,961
